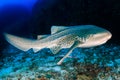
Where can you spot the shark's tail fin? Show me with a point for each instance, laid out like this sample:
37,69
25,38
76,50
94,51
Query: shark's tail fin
20,43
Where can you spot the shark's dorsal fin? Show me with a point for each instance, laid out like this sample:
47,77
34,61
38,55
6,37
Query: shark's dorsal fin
55,29
42,36
55,49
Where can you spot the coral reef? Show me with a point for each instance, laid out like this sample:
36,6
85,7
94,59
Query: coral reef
97,63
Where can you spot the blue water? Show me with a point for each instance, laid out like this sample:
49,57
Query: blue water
28,4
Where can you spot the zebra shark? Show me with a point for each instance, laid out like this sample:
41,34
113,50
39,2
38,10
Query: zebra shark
83,36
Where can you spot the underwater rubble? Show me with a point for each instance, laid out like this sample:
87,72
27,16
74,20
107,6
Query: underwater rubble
97,63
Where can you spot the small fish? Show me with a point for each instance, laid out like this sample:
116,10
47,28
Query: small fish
63,37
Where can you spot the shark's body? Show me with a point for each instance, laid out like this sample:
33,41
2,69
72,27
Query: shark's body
63,37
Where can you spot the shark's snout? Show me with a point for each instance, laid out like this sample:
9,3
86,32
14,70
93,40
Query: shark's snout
109,35
106,37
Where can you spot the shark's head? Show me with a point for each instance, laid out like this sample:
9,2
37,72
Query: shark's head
101,38
97,36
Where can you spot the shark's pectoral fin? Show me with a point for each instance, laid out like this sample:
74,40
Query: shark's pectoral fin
76,43
55,49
